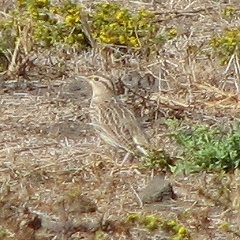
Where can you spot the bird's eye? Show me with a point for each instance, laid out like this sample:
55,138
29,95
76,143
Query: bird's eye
96,79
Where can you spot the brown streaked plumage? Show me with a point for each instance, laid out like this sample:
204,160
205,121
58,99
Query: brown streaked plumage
112,119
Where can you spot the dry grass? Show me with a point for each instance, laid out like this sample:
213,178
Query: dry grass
56,174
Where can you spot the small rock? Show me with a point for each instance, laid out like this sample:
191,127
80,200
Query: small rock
158,190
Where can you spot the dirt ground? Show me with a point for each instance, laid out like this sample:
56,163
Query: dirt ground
59,181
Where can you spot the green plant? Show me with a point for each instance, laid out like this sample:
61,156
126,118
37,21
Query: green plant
228,12
158,159
39,24
208,148
153,222
46,24
114,24
32,25
180,232
150,222
227,44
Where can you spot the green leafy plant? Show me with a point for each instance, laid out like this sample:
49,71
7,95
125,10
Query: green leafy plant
32,25
208,148
158,160
39,24
50,24
180,232
46,24
227,44
114,24
153,222
228,12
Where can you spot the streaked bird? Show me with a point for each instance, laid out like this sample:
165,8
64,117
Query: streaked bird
113,121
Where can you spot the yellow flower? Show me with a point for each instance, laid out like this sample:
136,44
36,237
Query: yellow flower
133,41
172,32
104,38
121,39
71,19
182,231
113,25
119,15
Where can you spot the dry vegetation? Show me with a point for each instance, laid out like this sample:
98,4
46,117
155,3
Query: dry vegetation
58,181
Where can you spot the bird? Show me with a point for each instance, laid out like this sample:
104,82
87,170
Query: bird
112,119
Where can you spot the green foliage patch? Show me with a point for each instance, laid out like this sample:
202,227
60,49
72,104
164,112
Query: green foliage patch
47,24
227,44
113,24
159,160
153,222
208,148
50,24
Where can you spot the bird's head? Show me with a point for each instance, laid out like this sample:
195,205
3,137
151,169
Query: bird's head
101,86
